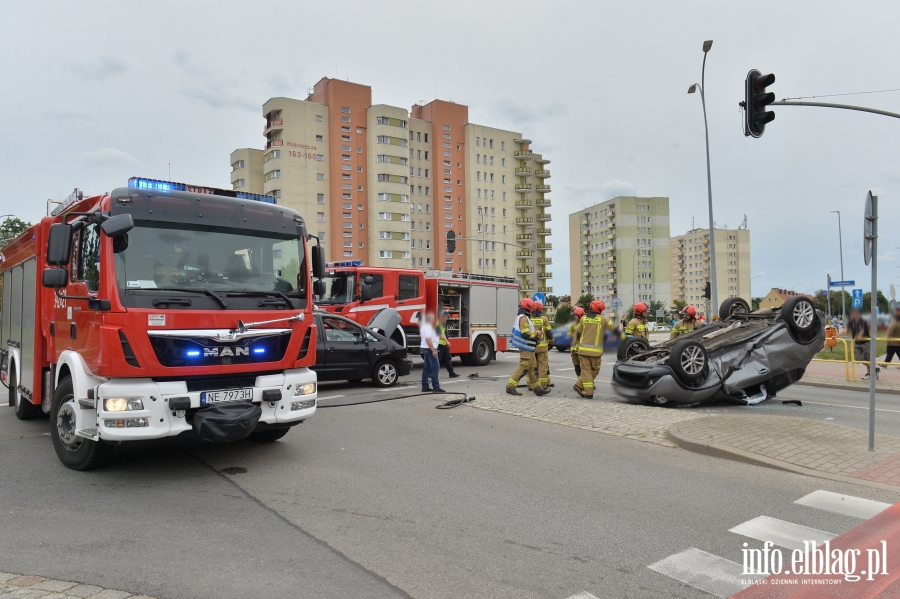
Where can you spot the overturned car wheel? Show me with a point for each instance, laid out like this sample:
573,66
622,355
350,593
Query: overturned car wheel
632,347
688,360
732,306
799,313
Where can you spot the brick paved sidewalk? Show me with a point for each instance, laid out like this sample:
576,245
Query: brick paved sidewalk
35,587
799,445
834,375
642,423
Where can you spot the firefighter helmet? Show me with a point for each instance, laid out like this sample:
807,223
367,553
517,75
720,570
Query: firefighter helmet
527,304
597,306
689,311
579,311
640,309
538,305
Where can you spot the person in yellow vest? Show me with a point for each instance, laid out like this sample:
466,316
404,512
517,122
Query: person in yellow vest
524,338
687,323
637,326
590,333
579,312
541,352
444,357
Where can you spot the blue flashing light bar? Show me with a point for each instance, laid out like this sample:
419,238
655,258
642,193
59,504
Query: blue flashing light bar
259,350
344,263
159,185
193,353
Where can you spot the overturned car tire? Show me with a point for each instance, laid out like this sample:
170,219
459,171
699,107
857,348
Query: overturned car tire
799,314
733,305
688,360
632,347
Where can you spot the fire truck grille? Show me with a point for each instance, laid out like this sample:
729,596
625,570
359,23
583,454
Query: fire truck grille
195,351
220,382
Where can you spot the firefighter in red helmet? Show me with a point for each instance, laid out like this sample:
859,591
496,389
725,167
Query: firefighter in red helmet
637,326
573,328
590,334
524,338
687,323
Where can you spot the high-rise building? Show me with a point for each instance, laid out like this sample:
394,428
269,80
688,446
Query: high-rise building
387,184
690,266
620,249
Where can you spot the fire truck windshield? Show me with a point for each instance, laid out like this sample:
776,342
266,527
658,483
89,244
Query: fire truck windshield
340,288
181,256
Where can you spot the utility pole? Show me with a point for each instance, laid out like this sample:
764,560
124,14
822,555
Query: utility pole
841,246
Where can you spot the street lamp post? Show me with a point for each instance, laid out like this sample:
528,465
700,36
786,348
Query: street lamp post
712,234
633,277
841,247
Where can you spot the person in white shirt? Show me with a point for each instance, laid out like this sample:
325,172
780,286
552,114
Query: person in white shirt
429,348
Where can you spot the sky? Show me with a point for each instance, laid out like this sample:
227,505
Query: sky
94,92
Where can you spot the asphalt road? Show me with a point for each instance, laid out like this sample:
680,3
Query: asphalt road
397,499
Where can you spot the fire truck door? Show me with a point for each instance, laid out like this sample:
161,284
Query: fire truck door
78,326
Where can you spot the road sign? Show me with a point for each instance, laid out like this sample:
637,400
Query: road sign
660,313
857,298
615,304
869,229
843,283
539,297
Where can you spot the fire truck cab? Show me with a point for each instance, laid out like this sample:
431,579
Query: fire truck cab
481,308
160,310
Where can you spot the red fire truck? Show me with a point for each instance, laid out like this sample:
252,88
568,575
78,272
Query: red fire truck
482,308
160,310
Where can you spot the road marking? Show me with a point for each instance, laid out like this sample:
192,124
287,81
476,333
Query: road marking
582,595
560,370
321,397
783,534
838,405
705,571
843,504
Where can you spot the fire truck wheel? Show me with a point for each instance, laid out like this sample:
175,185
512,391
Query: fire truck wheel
73,451
269,436
482,351
25,410
385,374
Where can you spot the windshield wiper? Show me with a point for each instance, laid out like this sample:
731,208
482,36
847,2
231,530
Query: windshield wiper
215,296
280,295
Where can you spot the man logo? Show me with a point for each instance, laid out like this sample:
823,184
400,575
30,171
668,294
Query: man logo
221,352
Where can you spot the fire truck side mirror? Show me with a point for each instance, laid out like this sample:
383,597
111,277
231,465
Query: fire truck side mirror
319,287
59,244
55,278
365,292
318,261
117,225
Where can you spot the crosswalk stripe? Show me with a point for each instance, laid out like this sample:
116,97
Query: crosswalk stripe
582,595
705,571
843,504
783,534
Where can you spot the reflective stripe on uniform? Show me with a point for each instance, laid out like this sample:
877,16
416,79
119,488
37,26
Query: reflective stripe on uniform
591,342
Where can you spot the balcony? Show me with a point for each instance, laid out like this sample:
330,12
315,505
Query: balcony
542,202
523,171
524,237
524,220
274,143
545,275
524,141
542,161
545,260
545,246
542,188
276,124
546,289
523,204
543,216
523,187
611,280
612,269
542,173
526,285
527,270
610,224
524,254
522,155
544,231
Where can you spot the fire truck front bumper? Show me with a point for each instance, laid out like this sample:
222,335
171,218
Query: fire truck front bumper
142,409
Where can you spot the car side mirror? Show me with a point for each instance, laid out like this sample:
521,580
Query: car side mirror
55,278
365,292
117,225
59,244
318,261
319,287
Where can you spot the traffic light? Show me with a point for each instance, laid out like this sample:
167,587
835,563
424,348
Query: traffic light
707,291
756,98
451,242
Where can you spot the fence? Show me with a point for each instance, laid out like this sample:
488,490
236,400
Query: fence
850,361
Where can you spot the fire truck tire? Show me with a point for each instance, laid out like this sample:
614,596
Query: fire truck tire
269,436
73,451
482,351
25,410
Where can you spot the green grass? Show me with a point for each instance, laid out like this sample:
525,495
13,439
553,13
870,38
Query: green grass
837,352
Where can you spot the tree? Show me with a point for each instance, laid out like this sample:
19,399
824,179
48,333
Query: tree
678,305
552,300
882,302
565,299
10,228
564,315
585,301
755,303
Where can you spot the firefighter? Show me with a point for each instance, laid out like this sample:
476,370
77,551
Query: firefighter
524,338
687,323
573,331
637,326
591,332
542,351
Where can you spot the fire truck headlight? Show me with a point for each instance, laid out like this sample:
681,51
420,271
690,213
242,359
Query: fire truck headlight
307,389
122,404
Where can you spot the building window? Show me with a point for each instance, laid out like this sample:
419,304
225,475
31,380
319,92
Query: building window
346,119
319,118
320,138
238,183
320,198
320,157
345,109
320,217
320,177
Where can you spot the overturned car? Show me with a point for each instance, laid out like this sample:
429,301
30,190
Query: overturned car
745,356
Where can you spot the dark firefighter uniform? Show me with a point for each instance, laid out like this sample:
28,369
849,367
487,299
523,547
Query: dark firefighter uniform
637,327
591,331
526,358
541,353
684,326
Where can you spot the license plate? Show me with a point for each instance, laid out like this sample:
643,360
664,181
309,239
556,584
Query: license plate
208,397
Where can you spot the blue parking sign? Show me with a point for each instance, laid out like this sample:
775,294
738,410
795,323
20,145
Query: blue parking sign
857,298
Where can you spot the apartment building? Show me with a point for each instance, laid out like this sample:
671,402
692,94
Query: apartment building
690,265
387,184
620,249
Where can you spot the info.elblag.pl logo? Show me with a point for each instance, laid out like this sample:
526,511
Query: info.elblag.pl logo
816,561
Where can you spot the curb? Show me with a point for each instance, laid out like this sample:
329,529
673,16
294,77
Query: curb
732,453
841,387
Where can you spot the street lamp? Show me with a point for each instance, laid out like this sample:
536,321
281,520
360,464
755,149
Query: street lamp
841,246
633,277
712,234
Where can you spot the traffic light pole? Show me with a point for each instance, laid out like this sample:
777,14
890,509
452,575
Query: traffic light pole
844,106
